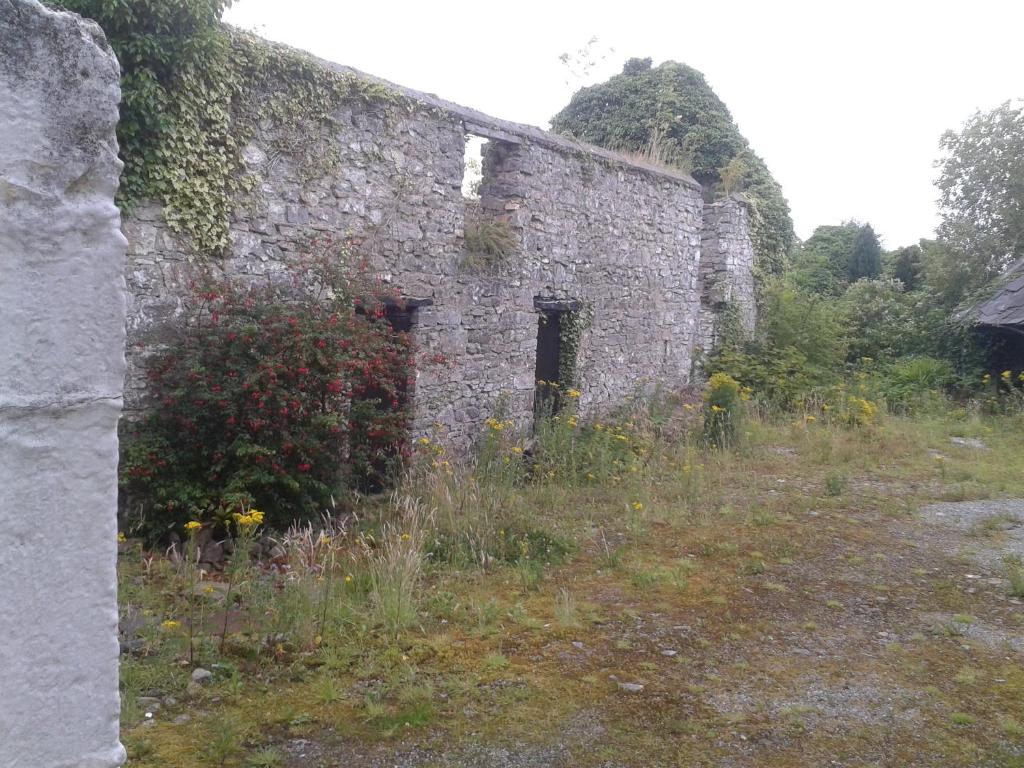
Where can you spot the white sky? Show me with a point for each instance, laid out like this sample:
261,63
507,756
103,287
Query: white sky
845,101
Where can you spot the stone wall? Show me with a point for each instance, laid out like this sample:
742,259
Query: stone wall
726,270
62,310
620,240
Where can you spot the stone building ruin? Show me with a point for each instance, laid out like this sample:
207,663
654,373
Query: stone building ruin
638,258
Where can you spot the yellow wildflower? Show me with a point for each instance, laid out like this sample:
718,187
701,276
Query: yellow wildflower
637,505
170,624
256,515
424,441
717,409
811,418
193,525
1005,375
516,449
986,379
121,537
405,537
348,578
573,393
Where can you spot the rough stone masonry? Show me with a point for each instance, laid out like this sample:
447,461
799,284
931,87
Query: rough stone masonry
62,312
635,248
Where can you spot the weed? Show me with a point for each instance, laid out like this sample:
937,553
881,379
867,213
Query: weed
489,243
835,484
566,608
396,567
486,613
267,757
327,689
495,661
1015,574
224,742
1011,727
530,573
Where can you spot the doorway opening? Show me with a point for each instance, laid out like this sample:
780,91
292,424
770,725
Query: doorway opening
553,314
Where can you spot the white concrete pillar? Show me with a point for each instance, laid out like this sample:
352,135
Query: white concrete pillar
62,307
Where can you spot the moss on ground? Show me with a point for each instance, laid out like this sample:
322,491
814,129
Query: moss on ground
769,619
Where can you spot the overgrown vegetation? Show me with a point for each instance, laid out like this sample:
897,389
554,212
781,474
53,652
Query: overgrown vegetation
494,600
670,115
276,393
489,243
194,92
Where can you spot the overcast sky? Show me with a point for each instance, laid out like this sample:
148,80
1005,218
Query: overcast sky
845,101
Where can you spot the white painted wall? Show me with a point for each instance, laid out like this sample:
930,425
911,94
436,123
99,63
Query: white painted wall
62,307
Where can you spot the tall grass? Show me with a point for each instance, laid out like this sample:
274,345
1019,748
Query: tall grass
396,564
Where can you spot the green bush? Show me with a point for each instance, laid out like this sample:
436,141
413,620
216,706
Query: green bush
723,411
778,378
913,383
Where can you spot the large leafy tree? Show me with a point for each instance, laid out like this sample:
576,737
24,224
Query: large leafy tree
835,256
981,183
866,258
904,264
670,113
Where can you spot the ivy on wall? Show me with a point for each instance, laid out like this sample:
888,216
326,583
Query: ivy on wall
570,336
195,92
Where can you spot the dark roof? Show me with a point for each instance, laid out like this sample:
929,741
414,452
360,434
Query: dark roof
1006,307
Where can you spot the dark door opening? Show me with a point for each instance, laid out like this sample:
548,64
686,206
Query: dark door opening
547,396
549,388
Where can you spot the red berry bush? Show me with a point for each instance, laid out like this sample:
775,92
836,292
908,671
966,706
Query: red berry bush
276,394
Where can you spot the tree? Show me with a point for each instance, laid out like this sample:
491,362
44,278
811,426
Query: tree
904,264
821,264
866,257
670,112
981,183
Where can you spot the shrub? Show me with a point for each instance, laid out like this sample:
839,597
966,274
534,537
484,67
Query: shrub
274,394
812,325
857,411
778,377
723,411
913,382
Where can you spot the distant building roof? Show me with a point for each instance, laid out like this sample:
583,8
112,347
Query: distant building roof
1006,307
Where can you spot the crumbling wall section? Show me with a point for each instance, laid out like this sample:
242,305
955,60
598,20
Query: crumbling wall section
727,289
62,310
